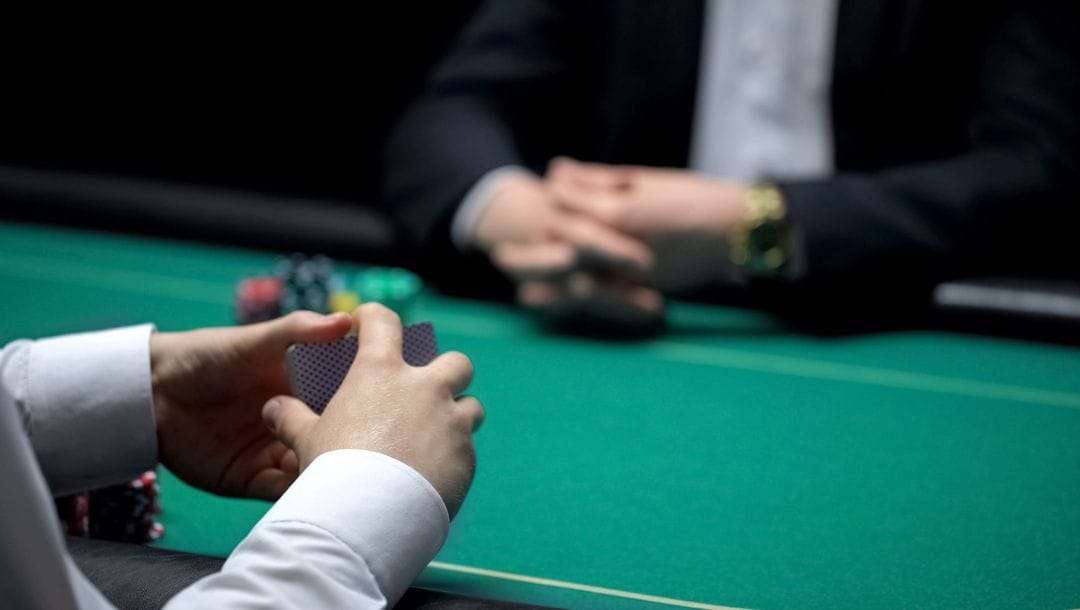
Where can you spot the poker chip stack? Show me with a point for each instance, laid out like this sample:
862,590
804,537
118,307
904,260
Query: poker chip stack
310,283
127,512
306,283
122,513
258,299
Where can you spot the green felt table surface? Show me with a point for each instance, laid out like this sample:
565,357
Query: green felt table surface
728,462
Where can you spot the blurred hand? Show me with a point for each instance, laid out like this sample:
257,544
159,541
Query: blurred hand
566,263
412,414
209,387
683,216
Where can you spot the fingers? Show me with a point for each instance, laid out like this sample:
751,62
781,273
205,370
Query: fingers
588,175
270,483
562,236
470,411
589,235
301,327
605,205
288,419
551,260
380,332
539,294
612,297
523,262
602,299
625,303
454,369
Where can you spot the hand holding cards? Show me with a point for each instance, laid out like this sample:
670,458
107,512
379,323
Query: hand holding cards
414,414
316,370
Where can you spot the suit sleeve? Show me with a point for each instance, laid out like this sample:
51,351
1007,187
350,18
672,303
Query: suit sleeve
497,86
1020,162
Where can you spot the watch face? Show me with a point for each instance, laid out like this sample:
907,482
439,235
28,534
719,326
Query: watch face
766,236
768,245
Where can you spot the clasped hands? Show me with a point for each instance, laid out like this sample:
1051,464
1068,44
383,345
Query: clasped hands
604,242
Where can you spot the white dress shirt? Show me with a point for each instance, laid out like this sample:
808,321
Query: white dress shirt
76,412
762,99
763,90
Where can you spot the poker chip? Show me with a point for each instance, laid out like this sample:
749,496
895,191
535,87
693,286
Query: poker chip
344,301
258,299
396,288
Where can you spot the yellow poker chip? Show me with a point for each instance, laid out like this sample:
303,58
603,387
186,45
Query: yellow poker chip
346,301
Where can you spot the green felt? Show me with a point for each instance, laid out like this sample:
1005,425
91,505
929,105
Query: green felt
728,462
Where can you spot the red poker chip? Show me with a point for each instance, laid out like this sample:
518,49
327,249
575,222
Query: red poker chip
260,289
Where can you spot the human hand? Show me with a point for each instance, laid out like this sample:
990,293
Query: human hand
647,201
412,414
564,263
209,387
683,216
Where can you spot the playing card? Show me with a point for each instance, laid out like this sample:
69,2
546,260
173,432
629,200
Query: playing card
316,370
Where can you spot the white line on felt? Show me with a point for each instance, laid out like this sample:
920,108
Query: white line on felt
813,369
561,584
816,369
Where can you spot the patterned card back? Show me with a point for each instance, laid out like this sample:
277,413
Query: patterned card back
316,370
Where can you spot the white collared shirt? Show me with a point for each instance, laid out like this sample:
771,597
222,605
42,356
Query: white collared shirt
763,90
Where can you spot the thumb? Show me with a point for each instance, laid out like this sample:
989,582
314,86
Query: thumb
290,420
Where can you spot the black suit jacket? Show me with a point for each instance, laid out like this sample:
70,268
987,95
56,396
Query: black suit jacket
955,123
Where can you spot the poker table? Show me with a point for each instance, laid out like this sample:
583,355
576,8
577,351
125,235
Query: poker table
729,462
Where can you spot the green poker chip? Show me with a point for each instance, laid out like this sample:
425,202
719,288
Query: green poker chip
396,288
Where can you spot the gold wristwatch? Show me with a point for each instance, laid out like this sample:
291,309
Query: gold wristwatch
761,239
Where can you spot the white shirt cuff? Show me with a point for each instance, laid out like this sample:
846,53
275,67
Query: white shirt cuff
463,226
382,509
91,408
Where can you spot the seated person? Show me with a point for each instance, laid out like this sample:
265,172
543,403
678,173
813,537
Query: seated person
367,490
809,144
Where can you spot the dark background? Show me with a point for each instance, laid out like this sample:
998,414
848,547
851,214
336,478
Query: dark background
250,109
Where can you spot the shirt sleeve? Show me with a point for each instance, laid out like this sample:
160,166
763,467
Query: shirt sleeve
85,402
463,226
85,394
352,532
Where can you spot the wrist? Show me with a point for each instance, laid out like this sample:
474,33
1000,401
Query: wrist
711,210
161,350
464,224
158,355
510,211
